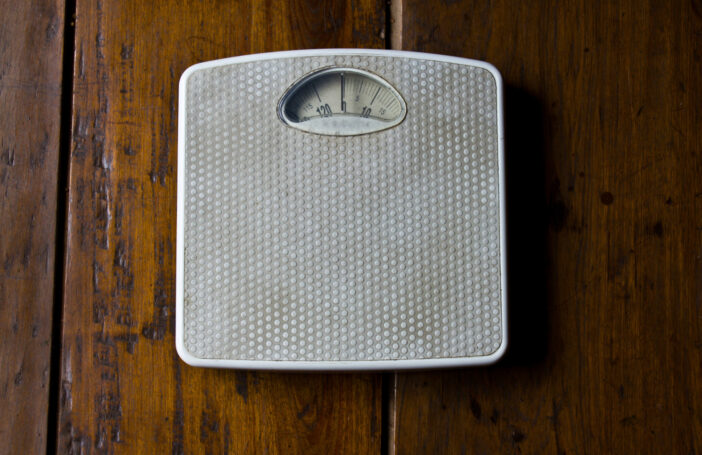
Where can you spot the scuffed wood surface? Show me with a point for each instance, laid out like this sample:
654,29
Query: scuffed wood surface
123,387
604,158
31,40
605,201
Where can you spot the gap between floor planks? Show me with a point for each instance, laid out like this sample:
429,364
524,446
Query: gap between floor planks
393,34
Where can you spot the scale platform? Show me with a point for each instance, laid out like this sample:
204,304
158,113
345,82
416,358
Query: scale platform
341,209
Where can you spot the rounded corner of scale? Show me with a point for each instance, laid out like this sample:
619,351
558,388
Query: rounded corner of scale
495,72
498,354
186,356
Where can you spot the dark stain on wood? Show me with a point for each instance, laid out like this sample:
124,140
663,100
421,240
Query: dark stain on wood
208,425
628,421
162,320
558,211
124,277
606,198
178,426
475,408
517,436
242,385
8,156
658,229
129,339
305,410
18,376
126,52
129,150
119,215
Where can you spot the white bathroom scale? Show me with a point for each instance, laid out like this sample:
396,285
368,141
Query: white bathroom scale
341,209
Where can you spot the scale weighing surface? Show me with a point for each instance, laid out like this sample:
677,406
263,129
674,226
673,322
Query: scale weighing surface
340,209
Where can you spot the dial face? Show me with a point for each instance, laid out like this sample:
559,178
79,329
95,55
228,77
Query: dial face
342,102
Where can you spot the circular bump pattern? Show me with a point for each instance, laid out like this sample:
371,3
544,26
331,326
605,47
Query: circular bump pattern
384,246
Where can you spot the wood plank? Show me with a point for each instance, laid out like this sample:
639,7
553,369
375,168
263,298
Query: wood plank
604,152
31,46
124,390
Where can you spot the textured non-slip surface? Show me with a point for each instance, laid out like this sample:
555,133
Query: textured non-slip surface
376,247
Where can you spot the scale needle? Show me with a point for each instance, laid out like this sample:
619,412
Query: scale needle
316,93
343,103
376,94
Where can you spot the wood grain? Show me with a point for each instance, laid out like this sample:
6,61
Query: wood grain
604,152
31,43
124,390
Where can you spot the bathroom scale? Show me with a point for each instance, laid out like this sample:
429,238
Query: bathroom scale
340,209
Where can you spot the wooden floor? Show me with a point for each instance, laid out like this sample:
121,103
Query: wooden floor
604,160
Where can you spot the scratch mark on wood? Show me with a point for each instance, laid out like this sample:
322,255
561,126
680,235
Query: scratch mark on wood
38,157
102,209
162,321
126,52
8,156
97,270
124,277
129,150
19,375
52,29
130,339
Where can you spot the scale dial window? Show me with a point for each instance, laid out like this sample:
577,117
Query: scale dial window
342,102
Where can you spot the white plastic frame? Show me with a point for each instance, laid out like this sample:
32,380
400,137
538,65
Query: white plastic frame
365,365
